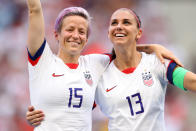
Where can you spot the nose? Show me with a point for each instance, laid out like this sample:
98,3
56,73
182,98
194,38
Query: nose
75,34
119,27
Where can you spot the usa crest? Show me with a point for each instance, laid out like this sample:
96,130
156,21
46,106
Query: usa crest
147,78
88,77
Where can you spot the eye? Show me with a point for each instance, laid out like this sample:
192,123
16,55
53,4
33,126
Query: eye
82,32
69,29
126,22
114,23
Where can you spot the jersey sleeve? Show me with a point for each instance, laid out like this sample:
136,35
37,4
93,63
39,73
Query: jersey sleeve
165,71
40,61
99,62
170,68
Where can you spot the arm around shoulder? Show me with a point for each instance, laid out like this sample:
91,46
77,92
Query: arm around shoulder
160,51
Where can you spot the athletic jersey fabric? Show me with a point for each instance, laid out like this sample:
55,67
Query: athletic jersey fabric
65,95
134,101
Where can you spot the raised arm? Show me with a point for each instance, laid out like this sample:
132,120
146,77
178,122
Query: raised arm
160,51
36,29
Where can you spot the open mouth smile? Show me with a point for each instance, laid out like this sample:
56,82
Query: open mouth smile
119,35
74,42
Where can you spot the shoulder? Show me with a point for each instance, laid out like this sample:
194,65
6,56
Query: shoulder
153,62
96,57
97,62
150,58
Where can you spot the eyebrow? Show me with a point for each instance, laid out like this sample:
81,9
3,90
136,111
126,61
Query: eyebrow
113,19
123,19
127,19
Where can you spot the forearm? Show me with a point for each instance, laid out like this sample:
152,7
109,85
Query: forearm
36,29
145,48
190,81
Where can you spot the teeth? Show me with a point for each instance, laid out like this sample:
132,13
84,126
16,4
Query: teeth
75,42
119,35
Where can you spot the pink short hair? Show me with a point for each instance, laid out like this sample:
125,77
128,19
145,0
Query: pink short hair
72,11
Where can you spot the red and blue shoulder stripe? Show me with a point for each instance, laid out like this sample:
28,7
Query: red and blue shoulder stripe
34,59
170,69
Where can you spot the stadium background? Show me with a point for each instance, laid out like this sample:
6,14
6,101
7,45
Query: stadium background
167,22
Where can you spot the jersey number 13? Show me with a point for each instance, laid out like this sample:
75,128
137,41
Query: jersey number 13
139,101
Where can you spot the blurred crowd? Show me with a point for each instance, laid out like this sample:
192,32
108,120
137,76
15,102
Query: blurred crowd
14,92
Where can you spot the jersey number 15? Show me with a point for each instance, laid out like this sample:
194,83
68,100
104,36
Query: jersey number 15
79,97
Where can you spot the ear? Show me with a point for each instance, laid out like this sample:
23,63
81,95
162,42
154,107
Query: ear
139,34
56,35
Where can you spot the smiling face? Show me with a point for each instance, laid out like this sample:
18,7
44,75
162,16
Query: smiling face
123,28
73,34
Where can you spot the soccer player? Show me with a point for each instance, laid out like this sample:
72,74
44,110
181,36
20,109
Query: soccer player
131,92
62,86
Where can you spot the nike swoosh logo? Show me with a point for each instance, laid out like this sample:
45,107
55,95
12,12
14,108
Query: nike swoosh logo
107,90
54,75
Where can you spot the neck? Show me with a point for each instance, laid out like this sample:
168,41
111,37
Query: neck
68,58
127,57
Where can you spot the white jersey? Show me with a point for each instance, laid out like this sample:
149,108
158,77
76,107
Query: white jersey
135,101
65,95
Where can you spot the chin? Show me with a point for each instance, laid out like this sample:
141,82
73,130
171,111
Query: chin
119,42
75,52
